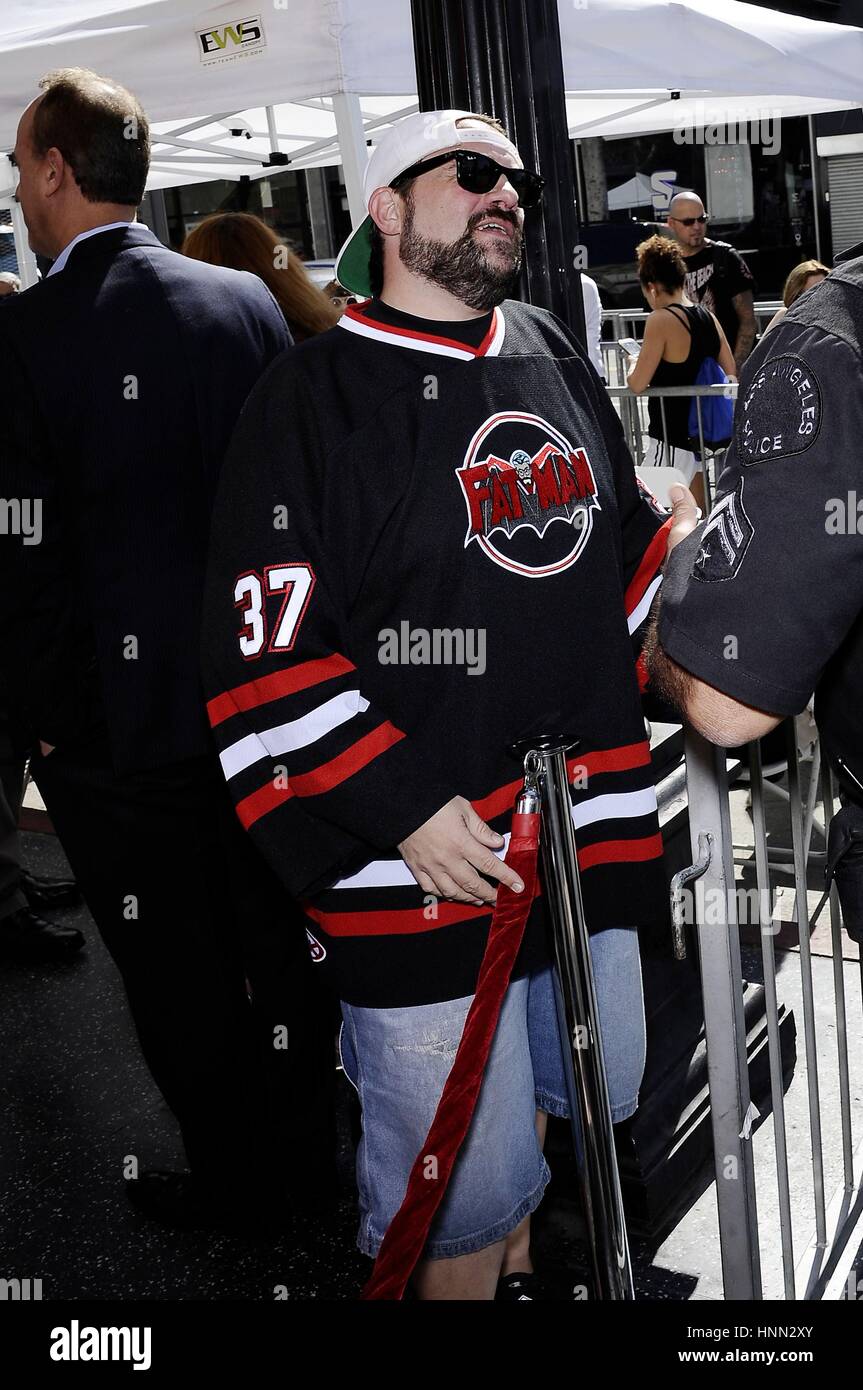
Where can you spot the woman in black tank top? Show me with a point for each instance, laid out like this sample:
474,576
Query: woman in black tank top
662,273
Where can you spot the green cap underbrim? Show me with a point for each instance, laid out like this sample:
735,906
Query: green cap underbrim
352,266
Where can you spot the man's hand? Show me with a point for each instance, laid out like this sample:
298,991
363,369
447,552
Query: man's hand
446,852
684,512
45,748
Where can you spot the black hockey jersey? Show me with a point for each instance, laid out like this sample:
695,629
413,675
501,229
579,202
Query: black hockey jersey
423,549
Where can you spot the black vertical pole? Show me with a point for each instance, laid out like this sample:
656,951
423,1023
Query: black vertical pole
503,58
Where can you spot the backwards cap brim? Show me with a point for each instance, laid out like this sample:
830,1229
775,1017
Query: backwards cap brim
352,266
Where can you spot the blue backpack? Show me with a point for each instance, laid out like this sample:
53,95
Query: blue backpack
717,412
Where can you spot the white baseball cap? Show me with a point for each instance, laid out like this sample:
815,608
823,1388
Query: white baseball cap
404,144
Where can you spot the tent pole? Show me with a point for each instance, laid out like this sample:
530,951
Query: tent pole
606,120
352,143
26,260
272,130
816,175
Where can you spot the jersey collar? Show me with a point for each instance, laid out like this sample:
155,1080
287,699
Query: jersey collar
355,321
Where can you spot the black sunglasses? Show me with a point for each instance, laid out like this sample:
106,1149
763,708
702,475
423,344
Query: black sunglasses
690,221
478,173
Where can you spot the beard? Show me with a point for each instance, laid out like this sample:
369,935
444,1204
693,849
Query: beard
462,267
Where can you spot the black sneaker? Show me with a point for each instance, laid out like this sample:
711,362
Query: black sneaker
520,1288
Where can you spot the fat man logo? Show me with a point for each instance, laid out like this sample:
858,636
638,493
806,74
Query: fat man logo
520,474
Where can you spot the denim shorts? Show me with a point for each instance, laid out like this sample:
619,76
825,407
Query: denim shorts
399,1059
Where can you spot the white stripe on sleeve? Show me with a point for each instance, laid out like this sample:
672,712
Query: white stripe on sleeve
298,733
394,873
641,610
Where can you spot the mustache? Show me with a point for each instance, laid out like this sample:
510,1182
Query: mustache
499,215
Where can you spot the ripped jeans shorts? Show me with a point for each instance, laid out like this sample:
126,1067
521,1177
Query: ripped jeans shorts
399,1059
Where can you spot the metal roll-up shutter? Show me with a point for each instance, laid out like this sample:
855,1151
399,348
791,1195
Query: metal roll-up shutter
845,175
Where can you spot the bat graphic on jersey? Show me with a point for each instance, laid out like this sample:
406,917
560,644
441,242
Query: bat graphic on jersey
524,490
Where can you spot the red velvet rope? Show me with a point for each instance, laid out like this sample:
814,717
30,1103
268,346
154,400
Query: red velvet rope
408,1231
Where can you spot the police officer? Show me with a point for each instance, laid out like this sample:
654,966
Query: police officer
763,603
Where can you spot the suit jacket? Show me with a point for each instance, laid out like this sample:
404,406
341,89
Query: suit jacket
121,379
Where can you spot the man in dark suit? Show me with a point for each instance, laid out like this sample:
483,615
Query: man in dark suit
122,374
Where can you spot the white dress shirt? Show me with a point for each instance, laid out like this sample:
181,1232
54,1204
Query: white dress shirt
82,236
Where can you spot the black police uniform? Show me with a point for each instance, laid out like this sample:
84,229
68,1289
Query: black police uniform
765,600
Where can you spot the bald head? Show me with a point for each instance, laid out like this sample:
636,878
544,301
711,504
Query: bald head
686,207
685,204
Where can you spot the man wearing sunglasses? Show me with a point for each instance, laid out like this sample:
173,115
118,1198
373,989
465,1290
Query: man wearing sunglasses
453,474
716,274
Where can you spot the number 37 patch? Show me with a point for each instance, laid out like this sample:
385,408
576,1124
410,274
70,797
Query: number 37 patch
292,585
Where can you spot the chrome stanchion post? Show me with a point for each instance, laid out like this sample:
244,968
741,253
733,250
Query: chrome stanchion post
578,1017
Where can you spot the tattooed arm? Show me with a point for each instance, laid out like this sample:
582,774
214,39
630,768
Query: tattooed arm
743,304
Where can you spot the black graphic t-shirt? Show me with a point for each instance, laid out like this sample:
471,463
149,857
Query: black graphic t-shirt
423,549
713,277
765,599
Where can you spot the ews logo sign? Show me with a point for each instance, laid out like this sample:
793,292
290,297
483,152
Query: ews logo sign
242,37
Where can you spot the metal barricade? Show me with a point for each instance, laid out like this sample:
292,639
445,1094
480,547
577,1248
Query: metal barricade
629,323
633,416
832,1229
810,1241
625,323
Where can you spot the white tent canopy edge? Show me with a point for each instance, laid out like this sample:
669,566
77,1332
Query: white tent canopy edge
327,70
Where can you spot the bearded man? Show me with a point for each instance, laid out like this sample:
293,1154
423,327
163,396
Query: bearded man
371,481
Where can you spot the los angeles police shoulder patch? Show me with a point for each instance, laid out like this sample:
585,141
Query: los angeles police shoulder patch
724,540
780,415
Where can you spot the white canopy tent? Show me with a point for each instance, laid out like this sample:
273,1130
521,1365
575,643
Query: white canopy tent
635,193
315,79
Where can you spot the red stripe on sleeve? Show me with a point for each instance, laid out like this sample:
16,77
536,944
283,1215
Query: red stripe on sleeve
651,562
258,803
396,921
323,778
623,759
620,852
275,686
499,801
400,921
353,760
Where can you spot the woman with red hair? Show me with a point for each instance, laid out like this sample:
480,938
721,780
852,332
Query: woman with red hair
242,241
